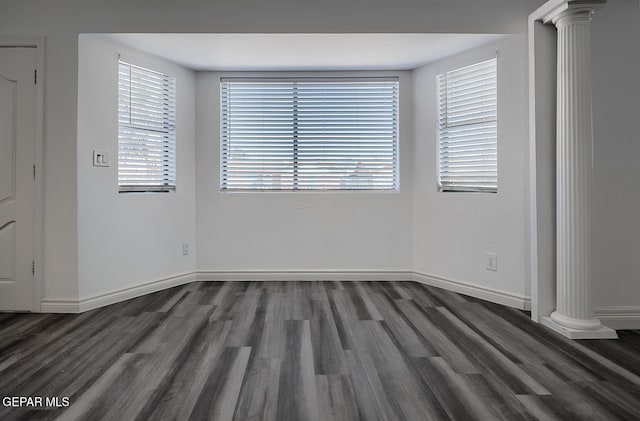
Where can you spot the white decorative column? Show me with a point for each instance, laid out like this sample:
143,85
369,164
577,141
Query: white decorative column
574,315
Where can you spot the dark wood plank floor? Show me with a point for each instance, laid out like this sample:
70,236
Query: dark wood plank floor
312,351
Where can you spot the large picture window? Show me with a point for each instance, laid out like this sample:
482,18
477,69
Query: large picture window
146,130
309,134
468,120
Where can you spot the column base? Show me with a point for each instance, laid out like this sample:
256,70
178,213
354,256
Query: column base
577,324
601,333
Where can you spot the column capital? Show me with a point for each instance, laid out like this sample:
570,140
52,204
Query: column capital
571,8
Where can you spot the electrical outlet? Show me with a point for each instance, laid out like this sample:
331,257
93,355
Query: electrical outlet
492,261
185,249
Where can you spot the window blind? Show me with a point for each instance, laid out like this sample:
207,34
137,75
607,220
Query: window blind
468,158
146,130
295,134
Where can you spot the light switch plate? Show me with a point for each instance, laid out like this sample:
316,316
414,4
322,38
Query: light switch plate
100,159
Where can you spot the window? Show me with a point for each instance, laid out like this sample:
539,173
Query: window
146,130
468,155
309,134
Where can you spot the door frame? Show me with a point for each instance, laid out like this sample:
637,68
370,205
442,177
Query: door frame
542,52
38,160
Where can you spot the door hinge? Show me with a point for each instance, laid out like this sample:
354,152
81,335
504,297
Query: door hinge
34,171
33,267
35,76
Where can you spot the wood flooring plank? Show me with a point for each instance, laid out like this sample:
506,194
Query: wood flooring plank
152,376
228,401
344,315
396,376
178,396
328,352
567,395
616,400
8,362
373,403
171,301
83,372
502,366
500,334
308,372
500,400
228,299
245,320
401,330
417,293
321,350
575,353
65,336
360,302
475,407
401,289
57,370
336,398
221,383
546,408
19,330
443,389
258,398
92,402
457,358
297,397
364,294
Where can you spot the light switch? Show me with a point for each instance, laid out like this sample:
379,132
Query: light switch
100,159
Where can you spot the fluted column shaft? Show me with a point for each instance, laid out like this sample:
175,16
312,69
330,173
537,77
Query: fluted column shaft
574,171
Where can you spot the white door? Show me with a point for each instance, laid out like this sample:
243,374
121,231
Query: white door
17,187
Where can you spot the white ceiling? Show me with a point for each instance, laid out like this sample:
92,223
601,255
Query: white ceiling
280,52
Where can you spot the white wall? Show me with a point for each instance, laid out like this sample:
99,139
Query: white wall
60,21
615,69
452,231
299,231
616,90
127,239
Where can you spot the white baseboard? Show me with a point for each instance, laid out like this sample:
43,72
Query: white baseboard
488,294
619,317
615,317
305,276
101,300
59,305
112,297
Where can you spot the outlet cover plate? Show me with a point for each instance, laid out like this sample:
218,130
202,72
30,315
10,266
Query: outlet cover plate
492,261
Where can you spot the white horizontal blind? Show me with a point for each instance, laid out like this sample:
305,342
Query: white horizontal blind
146,130
289,134
468,129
